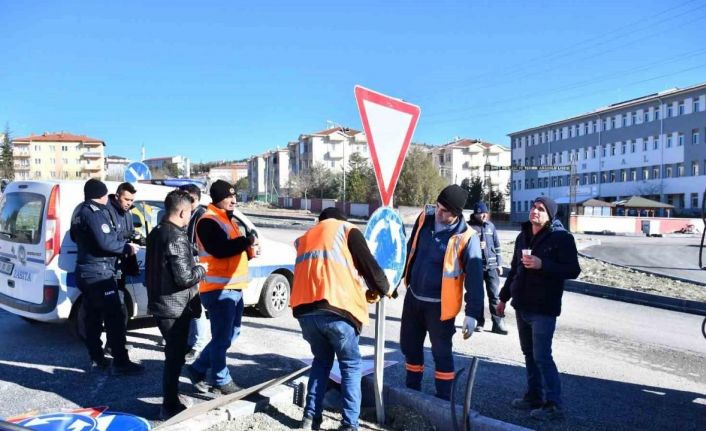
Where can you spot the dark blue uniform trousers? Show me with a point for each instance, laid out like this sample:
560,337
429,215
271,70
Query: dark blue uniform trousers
101,303
418,318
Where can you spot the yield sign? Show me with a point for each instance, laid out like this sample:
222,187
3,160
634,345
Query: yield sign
389,125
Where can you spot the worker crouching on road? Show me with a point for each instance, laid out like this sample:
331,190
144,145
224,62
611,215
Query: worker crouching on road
329,302
443,255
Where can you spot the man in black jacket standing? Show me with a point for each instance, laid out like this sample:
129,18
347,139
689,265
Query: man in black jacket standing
545,256
172,285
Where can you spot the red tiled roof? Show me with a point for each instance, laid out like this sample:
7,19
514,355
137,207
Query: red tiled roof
332,130
57,137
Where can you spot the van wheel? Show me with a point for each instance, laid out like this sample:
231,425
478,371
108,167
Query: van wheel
77,319
274,298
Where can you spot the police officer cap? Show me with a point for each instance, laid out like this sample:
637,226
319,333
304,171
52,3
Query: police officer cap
220,190
94,189
480,207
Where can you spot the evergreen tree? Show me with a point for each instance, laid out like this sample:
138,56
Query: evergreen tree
7,166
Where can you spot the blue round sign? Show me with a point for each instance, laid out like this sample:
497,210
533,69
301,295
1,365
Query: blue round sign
137,171
388,242
84,421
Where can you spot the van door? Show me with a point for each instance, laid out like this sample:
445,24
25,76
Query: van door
22,247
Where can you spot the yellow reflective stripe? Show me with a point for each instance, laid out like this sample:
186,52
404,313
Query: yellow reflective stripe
333,255
227,280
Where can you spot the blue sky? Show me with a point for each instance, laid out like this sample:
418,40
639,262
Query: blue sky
229,79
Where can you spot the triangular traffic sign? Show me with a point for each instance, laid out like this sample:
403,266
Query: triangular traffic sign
389,125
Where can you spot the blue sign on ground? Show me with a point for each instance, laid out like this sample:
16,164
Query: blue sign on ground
137,171
388,243
85,420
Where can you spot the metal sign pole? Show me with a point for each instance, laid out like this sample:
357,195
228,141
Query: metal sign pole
379,358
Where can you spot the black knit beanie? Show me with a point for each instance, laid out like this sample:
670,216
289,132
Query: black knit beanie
94,189
220,190
453,197
549,205
332,212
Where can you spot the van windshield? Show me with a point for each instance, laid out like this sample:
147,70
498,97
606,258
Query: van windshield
21,217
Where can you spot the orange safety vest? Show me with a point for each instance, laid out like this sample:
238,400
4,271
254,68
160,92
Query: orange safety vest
324,270
453,274
228,272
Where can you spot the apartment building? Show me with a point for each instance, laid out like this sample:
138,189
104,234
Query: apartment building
331,148
182,163
231,173
115,167
59,155
256,177
466,158
652,146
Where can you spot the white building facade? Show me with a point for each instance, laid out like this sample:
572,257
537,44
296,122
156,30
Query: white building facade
652,146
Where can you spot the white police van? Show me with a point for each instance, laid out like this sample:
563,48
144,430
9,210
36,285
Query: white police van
38,257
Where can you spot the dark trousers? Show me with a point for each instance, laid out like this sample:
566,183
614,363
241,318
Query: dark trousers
536,332
492,289
101,303
175,333
418,318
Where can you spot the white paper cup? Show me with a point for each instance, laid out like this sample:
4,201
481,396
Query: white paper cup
526,251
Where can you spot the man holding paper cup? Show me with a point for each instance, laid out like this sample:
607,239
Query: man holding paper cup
545,255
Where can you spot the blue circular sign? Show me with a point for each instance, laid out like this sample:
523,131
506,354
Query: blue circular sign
388,242
137,171
72,421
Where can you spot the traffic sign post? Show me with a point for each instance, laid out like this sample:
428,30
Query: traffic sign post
137,171
389,124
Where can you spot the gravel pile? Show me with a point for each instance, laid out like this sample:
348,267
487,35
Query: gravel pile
278,417
598,272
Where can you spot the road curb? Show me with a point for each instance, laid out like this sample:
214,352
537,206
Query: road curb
437,411
641,298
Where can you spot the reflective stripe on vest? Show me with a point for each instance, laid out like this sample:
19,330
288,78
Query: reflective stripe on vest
453,274
324,270
223,273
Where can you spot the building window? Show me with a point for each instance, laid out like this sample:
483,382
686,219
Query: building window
585,179
655,142
682,108
670,111
634,118
645,116
645,174
633,174
594,178
680,169
680,139
657,113
694,200
697,106
593,152
603,150
623,176
632,146
612,149
694,169
694,136
573,130
625,120
613,123
668,171
624,148
655,172
37,161
605,124
612,176
669,141
644,144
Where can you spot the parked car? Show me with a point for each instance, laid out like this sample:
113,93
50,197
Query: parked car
38,257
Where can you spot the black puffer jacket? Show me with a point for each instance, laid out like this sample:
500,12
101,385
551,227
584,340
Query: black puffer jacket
172,275
540,290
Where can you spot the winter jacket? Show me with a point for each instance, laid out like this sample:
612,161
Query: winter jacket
540,290
492,258
172,276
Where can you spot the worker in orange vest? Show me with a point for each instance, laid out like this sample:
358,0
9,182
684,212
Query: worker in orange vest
329,302
443,256
225,249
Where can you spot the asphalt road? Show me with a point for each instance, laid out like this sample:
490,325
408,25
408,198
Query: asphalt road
624,366
676,256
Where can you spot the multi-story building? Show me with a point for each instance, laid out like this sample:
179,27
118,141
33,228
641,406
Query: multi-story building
652,146
256,177
332,148
463,159
183,164
59,155
115,167
231,173
276,171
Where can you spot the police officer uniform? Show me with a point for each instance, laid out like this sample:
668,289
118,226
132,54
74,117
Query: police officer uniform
99,245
